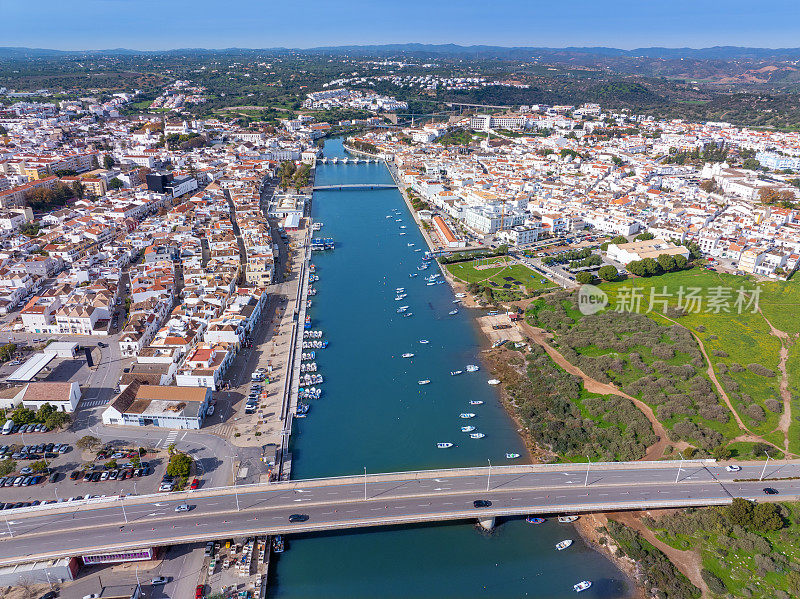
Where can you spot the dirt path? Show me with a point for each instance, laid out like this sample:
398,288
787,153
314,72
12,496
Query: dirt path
786,396
657,449
688,562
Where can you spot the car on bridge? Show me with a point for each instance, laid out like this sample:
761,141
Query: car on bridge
770,491
298,518
478,503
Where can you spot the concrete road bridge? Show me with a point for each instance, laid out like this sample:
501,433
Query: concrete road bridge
355,187
109,524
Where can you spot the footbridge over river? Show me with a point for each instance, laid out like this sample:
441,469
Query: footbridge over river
355,187
119,523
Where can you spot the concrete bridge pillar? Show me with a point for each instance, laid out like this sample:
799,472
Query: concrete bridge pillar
487,523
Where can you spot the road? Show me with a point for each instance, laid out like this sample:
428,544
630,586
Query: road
384,499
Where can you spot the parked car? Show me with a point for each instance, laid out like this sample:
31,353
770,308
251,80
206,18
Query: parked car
298,518
159,580
733,468
194,484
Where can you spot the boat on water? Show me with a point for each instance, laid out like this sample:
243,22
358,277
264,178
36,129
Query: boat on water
277,544
534,520
456,301
397,298
582,586
411,245
388,216
418,250
563,544
402,226
402,309
413,274
403,233
408,355
466,415
430,283
424,341
567,519
512,456
493,382
477,435
472,368
444,445
423,382
461,295
476,402
451,312
456,372
467,429
408,314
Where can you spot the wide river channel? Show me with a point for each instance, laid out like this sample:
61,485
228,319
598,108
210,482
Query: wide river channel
374,414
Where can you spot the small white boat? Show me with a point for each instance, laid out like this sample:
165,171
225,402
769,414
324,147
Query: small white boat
512,456
467,429
493,382
467,415
444,445
459,295
476,402
418,250
423,382
400,296
403,308
424,341
567,519
430,284
456,372
402,226
472,368
582,585
402,233
477,436
399,289
451,312
408,355
563,544
456,301
411,245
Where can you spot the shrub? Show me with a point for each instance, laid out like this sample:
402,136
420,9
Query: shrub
773,405
760,370
719,353
714,582
755,412
180,464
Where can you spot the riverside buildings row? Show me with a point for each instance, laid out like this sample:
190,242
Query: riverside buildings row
151,253
567,169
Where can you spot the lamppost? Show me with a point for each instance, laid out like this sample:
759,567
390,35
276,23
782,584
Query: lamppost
764,469
365,483
489,478
677,476
588,464
236,492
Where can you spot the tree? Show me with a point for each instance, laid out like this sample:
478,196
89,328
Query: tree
651,267
740,512
38,466
584,277
619,239
179,465
78,189
667,262
680,262
171,448
721,453
23,415
45,411
646,236
110,464
608,273
636,267
7,466
108,162
767,517
115,183
771,195
57,420
87,442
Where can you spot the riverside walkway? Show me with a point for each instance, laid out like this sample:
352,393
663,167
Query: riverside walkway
85,526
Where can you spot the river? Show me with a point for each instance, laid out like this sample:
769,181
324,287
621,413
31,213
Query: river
374,414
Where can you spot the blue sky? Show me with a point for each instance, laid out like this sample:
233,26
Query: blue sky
163,24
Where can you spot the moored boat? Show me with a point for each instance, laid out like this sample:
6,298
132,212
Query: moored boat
467,415
408,355
493,382
476,402
424,341
423,382
567,519
456,372
582,586
444,445
451,312
512,456
534,520
467,429
472,368
563,544
477,435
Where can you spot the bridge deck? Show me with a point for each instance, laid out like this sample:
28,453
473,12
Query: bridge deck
355,186
380,500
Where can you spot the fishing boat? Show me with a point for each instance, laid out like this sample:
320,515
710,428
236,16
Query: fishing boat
451,312
399,289
388,216
418,250
408,314
512,456
444,445
477,435
534,520
424,341
402,309
411,245
567,519
456,301
455,372
402,226
563,544
403,233
582,586
423,382
493,382
277,544
461,295
430,283
467,429
413,274
466,415
398,298
408,355
472,368
476,402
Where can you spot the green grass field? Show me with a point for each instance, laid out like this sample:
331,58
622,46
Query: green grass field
521,275
732,338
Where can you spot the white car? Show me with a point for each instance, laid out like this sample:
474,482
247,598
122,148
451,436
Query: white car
182,508
91,596
159,580
210,411
733,468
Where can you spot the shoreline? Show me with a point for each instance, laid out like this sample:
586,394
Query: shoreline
585,526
